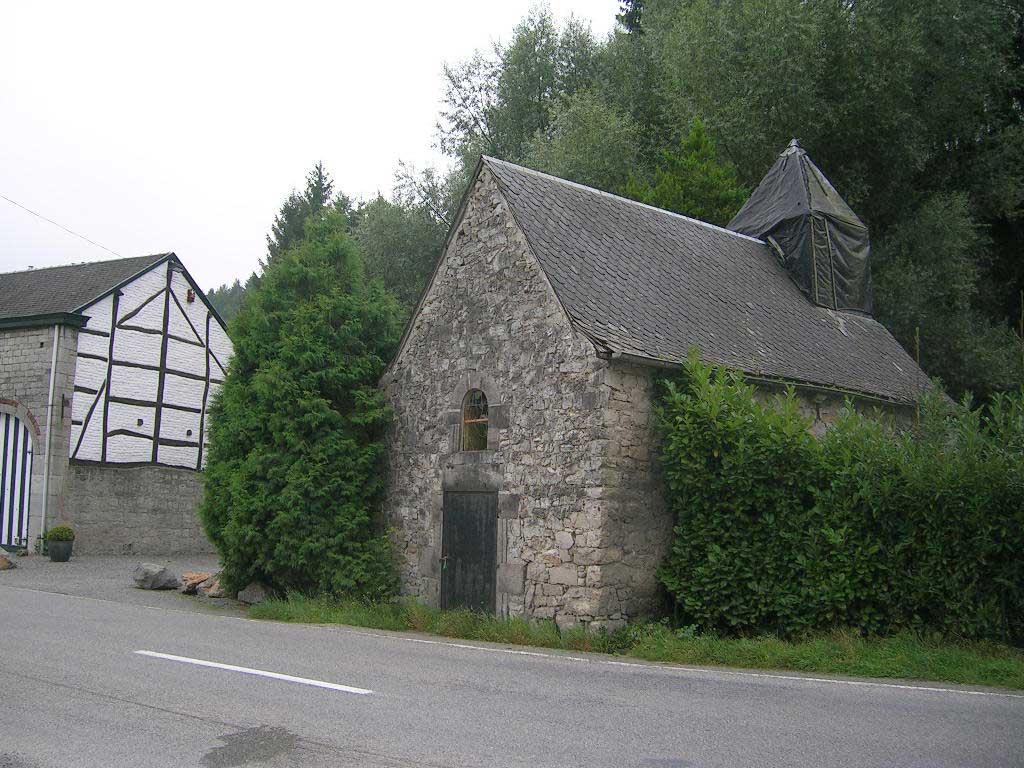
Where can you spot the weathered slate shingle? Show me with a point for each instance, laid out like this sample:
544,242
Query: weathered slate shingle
65,289
646,282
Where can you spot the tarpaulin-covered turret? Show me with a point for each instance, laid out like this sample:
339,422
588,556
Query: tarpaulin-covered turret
820,240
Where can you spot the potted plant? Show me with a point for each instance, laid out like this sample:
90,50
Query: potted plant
59,541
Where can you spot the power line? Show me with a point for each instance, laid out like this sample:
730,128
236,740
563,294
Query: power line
61,226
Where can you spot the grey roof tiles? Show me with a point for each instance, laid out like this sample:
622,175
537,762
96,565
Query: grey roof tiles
646,282
66,289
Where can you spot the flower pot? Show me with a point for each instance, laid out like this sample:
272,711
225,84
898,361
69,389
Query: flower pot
60,551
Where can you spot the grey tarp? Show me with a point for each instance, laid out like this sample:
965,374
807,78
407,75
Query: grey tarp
824,246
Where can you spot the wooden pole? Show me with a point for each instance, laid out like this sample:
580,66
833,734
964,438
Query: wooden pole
917,355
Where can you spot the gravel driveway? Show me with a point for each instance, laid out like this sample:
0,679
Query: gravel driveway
109,578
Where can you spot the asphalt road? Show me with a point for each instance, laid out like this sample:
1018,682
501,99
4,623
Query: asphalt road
74,691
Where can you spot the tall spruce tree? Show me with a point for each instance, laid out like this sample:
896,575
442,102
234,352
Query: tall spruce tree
289,224
691,180
294,466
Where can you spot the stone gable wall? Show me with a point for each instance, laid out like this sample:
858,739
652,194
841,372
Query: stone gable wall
491,321
25,357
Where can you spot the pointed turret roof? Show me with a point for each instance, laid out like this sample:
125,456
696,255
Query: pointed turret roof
822,243
793,187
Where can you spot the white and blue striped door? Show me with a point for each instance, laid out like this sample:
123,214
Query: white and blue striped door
15,480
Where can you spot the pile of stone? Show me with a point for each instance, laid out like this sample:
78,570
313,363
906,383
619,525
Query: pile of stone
201,583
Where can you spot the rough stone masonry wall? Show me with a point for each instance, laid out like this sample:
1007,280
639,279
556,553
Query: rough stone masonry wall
25,357
491,321
143,510
637,525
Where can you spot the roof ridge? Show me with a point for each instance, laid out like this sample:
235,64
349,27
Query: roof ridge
154,256
560,180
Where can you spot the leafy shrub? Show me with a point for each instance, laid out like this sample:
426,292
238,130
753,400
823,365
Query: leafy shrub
295,460
60,533
741,479
869,528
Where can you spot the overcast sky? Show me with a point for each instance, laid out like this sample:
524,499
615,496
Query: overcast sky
183,126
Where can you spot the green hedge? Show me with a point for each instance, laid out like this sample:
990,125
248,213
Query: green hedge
869,527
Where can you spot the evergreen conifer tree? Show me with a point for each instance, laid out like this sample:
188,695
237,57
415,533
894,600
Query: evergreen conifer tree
294,465
693,182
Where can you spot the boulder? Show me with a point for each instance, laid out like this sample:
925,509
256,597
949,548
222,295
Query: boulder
254,593
6,563
190,581
152,576
211,587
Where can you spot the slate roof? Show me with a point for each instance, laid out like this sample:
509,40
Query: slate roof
645,282
67,289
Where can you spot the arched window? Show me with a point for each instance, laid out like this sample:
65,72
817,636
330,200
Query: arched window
474,421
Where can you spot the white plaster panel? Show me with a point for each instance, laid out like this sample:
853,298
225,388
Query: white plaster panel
137,347
80,405
122,416
99,317
81,402
220,343
90,373
178,325
175,425
195,312
186,357
92,442
150,316
182,391
135,383
93,345
141,288
178,456
124,448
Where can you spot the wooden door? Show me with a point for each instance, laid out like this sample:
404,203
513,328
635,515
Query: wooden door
15,481
469,550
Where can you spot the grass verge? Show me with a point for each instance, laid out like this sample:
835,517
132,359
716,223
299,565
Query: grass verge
841,653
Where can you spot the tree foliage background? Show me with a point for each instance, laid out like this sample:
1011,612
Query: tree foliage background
913,110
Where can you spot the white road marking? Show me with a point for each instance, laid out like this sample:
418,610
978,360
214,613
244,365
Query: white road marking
258,672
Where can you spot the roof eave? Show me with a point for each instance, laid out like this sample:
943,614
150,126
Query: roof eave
654,362
47,319
158,258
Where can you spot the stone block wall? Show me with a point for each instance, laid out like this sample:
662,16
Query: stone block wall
141,510
25,358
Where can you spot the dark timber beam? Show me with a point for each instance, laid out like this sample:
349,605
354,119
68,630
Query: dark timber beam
114,301
163,368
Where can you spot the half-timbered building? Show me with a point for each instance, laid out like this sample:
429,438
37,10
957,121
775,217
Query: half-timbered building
106,374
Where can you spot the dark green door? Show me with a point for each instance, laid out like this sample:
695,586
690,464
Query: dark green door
468,550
